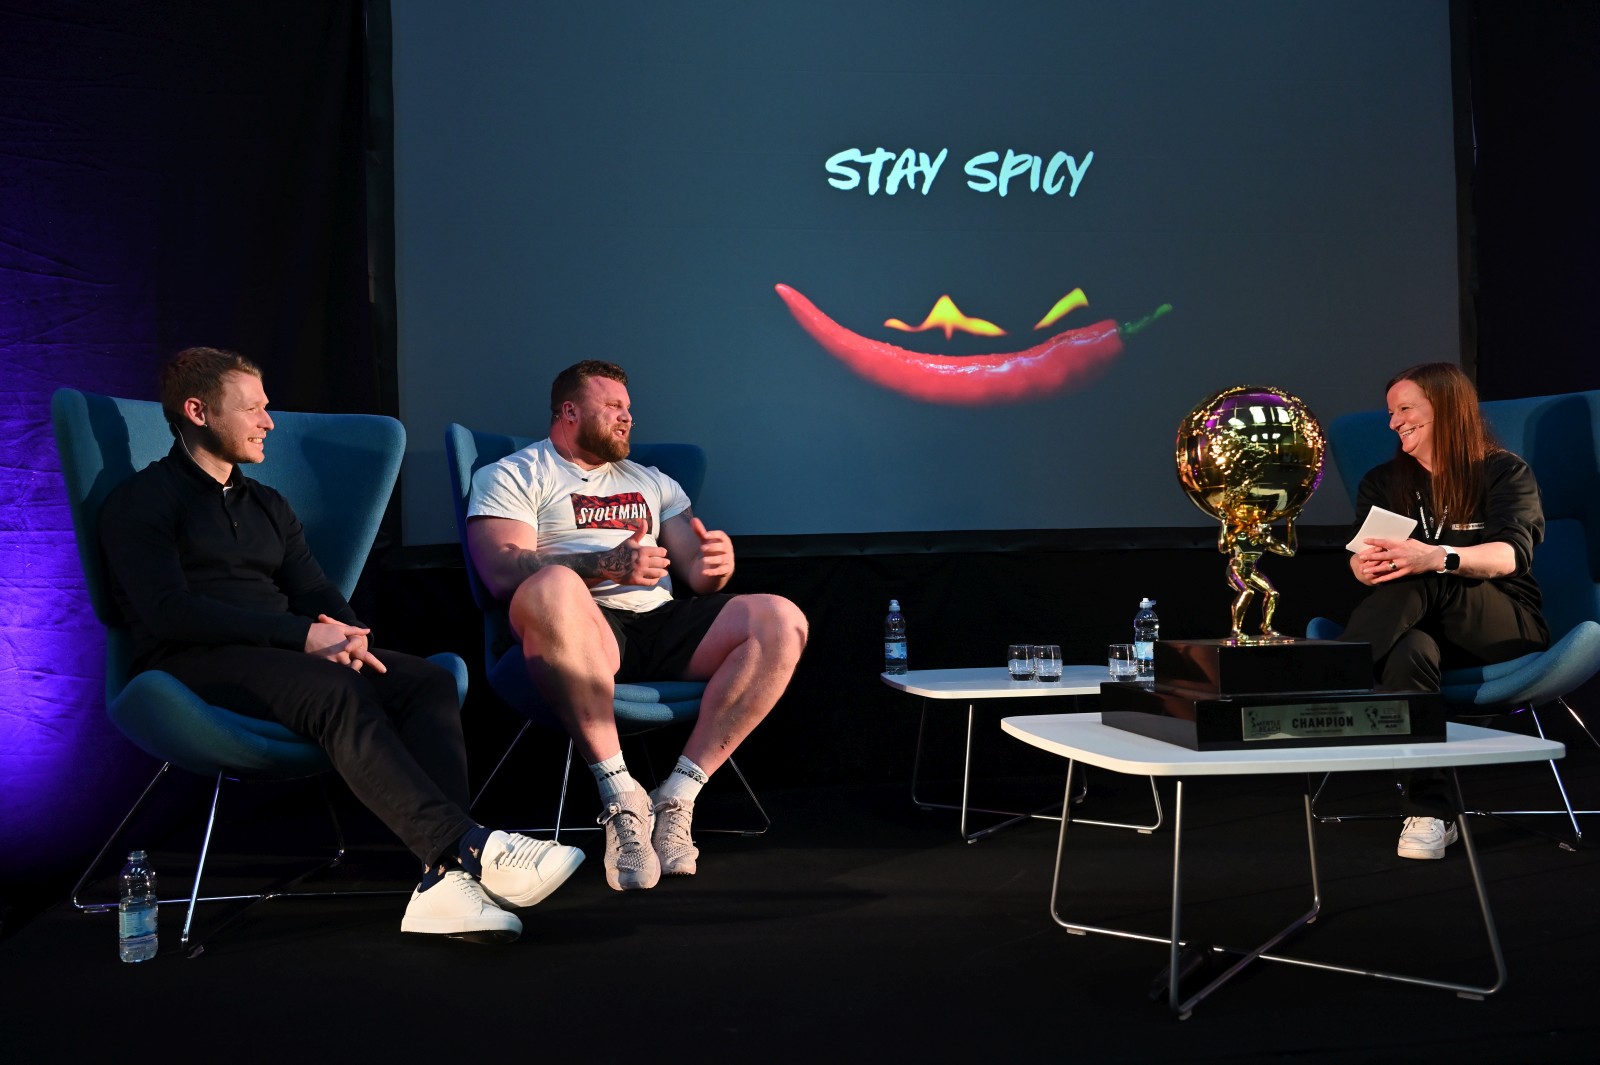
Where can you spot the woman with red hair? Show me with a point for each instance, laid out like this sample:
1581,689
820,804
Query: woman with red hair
1460,590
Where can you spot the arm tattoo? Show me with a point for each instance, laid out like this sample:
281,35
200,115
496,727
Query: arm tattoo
612,565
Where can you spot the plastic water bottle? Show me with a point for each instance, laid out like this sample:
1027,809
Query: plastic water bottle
1146,631
894,639
136,910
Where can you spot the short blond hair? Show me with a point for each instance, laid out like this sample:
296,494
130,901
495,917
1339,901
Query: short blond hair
198,372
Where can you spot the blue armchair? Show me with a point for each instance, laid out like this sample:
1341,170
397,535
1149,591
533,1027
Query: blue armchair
1559,437
639,706
102,441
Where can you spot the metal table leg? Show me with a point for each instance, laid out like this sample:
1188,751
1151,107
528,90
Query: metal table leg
1012,816
1492,936
1175,944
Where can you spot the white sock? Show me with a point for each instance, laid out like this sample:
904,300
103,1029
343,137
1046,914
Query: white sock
684,782
613,778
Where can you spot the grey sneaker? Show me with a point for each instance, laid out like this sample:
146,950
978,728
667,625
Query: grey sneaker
1426,837
673,846
458,907
630,860
520,871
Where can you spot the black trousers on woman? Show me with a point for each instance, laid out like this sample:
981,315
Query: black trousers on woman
394,737
1420,626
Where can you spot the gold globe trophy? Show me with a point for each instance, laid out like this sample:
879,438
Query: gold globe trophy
1250,456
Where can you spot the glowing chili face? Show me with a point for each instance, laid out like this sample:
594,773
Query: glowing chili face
1068,359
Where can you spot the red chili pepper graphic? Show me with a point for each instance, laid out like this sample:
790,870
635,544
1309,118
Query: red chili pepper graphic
1069,358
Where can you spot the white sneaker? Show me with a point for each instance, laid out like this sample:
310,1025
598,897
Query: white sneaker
674,847
1426,837
631,861
457,907
520,871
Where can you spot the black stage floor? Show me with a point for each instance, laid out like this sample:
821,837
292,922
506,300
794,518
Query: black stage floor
861,928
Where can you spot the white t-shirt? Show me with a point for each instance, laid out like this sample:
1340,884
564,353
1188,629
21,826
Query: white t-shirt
573,510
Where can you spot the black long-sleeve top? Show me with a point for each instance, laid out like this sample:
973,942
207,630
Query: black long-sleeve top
1509,511
194,562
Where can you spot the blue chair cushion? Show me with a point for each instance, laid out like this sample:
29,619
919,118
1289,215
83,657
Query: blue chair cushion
1529,680
1533,679
643,704
168,721
1324,629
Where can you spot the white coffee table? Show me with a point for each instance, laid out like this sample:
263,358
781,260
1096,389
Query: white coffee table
977,683
1083,738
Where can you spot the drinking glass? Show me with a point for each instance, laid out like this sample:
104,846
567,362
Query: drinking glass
1047,662
1123,666
1019,660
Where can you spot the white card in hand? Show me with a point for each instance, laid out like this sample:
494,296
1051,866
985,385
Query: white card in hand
1381,525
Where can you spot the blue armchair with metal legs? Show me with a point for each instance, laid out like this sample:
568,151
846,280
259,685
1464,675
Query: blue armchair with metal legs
1559,437
102,441
639,706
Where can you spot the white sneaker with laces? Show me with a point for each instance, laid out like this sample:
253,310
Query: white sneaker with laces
631,861
458,907
1426,837
520,871
674,847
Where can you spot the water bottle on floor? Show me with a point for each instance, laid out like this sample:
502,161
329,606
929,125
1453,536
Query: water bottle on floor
1146,631
136,910
894,640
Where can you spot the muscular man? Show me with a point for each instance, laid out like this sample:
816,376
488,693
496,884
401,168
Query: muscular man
577,540
212,572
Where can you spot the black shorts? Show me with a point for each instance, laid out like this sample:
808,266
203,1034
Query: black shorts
658,644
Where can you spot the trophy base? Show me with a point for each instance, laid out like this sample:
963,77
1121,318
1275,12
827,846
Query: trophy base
1273,719
1249,666
1231,695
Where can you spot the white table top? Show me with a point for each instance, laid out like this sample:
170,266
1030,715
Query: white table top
994,682
1083,738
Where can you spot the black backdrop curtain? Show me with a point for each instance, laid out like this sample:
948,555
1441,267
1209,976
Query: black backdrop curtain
208,165
1531,220
173,173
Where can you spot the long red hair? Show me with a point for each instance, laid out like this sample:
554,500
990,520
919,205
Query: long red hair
1461,438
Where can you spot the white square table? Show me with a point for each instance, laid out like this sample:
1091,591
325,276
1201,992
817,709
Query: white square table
1083,738
974,684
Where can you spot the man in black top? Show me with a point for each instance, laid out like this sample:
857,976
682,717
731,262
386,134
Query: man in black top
212,572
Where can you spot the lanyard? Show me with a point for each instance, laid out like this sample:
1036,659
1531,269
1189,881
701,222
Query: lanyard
1429,531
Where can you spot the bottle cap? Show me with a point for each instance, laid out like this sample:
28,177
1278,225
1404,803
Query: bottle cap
894,604
1146,604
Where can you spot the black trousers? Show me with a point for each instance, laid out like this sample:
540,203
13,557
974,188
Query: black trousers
394,737
1420,626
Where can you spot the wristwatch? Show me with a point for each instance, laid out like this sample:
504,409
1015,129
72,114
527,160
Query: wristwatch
1452,560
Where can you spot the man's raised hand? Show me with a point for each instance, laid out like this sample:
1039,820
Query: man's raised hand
716,551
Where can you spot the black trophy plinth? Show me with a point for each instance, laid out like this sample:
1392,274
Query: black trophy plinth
1230,695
